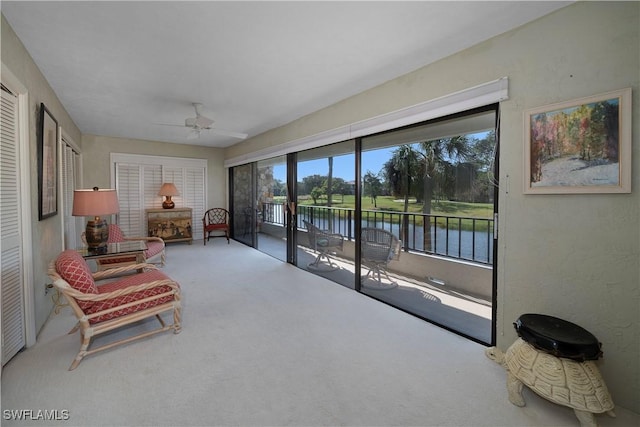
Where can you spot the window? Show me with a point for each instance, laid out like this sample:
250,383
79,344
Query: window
138,179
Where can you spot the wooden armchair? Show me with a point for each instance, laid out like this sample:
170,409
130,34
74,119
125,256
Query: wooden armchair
215,220
324,243
155,253
102,308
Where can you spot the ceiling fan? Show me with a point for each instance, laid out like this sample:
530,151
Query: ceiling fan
201,123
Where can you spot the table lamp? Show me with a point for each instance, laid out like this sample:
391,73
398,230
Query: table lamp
168,190
95,203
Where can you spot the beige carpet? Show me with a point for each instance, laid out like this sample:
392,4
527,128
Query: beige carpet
265,343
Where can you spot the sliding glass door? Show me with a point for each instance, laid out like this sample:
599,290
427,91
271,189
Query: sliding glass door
257,202
404,216
427,221
242,204
325,208
270,214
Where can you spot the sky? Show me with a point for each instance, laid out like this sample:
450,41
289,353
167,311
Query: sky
343,166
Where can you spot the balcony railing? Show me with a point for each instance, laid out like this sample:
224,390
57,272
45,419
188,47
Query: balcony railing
464,238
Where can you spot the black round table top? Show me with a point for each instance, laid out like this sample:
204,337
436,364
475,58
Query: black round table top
558,336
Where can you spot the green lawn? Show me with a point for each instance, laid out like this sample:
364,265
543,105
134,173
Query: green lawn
388,203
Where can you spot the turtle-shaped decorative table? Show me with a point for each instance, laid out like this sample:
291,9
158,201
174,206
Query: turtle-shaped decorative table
556,360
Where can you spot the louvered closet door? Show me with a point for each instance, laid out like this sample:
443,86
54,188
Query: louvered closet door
13,322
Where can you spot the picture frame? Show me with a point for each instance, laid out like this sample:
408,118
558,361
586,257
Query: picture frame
47,164
579,146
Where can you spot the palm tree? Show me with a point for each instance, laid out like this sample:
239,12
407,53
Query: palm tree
372,187
435,155
401,173
330,190
423,165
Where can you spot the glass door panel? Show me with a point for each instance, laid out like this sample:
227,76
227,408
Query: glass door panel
271,192
243,208
427,198
325,208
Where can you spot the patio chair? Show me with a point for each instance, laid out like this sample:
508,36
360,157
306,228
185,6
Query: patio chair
155,253
100,308
324,243
215,220
378,248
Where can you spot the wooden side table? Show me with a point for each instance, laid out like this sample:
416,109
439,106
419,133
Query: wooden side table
171,225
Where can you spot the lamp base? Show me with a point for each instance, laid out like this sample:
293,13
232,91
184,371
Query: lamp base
97,235
168,203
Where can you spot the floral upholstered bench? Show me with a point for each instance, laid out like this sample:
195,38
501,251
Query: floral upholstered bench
127,299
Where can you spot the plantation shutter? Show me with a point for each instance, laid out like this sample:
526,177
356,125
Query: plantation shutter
129,187
194,179
139,178
137,186
151,185
13,321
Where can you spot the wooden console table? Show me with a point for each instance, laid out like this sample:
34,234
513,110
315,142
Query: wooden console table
171,225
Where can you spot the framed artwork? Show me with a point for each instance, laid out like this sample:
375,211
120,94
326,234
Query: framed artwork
580,146
47,165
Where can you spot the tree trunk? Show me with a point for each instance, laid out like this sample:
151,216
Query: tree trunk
426,209
405,216
330,191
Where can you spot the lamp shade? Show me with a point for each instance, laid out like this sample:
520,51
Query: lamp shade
95,202
168,189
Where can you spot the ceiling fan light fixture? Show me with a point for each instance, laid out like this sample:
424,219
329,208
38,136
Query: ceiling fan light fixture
203,122
199,123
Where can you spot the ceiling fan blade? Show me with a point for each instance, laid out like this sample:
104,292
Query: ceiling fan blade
169,124
230,133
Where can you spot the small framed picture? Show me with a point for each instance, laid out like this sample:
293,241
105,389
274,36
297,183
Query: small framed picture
47,165
579,146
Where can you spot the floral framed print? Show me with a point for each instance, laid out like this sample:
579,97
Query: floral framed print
580,146
47,165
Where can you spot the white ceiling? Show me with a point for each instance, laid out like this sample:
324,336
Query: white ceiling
120,68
